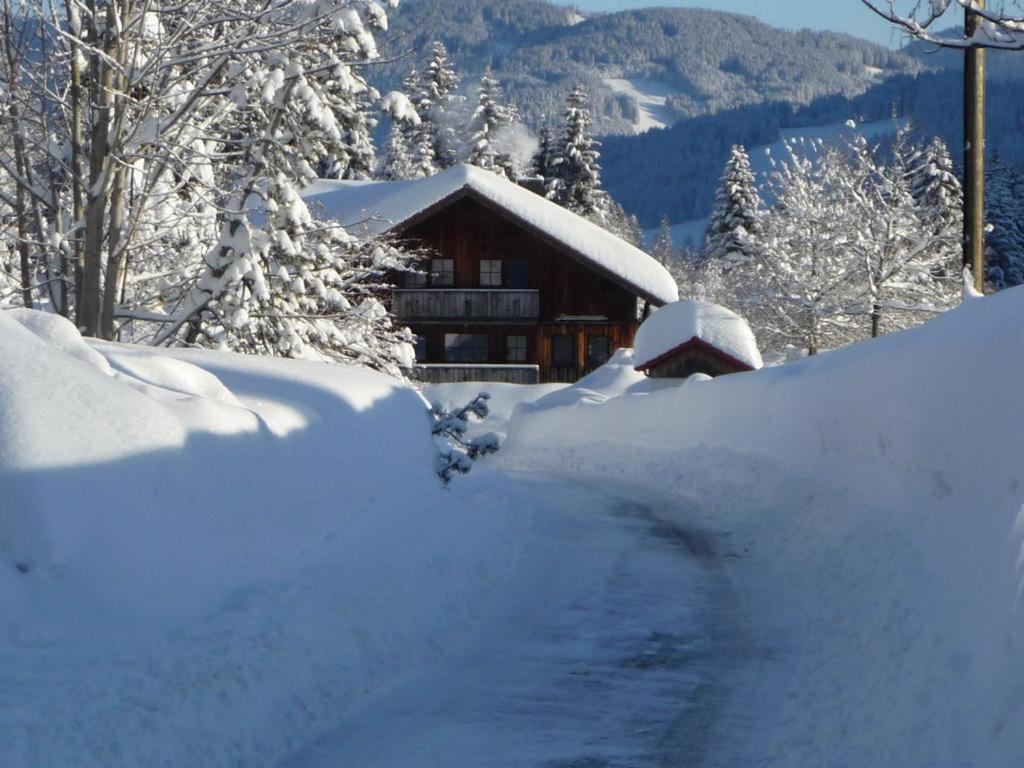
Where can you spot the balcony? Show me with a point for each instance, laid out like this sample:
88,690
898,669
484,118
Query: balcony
447,373
465,305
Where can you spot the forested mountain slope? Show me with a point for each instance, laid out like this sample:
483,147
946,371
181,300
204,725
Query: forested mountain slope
673,172
701,62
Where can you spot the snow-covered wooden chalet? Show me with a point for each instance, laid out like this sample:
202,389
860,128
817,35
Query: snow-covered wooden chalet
514,287
688,337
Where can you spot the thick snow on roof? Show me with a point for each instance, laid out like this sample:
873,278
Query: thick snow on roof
679,322
383,205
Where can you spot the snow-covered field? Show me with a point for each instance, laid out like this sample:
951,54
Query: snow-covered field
207,559
872,500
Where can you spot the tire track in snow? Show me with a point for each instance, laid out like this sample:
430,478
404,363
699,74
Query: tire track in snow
619,649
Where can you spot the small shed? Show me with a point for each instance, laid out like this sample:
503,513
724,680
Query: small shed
688,337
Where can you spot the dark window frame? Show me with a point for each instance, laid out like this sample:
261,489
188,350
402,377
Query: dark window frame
466,348
516,273
494,278
446,268
570,361
511,348
421,348
606,353
418,278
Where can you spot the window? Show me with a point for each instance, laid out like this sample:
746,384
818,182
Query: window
465,347
442,272
563,351
598,350
417,279
517,273
490,273
421,349
515,349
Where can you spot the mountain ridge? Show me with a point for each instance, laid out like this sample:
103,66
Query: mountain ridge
706,61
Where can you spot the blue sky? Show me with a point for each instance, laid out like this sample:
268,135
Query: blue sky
850,16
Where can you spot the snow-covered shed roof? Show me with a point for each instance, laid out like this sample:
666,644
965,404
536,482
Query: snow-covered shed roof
681,324
382,206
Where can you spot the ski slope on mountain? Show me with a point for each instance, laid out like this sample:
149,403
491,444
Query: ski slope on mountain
872,499
651,100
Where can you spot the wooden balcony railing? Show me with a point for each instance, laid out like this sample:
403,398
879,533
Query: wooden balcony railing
486,304
446,373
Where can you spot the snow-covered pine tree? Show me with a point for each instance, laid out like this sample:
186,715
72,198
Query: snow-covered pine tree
489,117
419,138
940,198
1004,212
935,185
441,82
396,163
541,166
574,181
663,248
349,98
278,281
620,222
506,137
736,218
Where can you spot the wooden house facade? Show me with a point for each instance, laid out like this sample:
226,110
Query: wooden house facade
511,287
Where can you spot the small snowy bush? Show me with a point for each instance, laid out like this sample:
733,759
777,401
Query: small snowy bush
456,454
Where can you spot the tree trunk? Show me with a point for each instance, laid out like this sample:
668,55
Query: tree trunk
23,254
115,255
876,320
11,57
98,193
77,207
974,154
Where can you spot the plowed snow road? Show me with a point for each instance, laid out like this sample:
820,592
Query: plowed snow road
624,645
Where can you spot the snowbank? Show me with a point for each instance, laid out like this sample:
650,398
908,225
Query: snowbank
207,559
680,322
871,501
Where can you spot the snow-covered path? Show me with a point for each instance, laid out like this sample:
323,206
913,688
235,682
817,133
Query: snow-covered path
616,650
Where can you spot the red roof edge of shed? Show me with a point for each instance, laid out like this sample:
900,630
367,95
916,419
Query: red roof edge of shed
698,343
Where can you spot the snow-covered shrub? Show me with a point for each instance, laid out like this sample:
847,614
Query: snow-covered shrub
456,453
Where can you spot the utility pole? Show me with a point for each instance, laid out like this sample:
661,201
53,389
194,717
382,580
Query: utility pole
974,152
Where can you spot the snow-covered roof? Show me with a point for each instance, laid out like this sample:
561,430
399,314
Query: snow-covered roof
683,322
381,206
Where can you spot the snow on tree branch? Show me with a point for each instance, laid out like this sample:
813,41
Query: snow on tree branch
999,28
